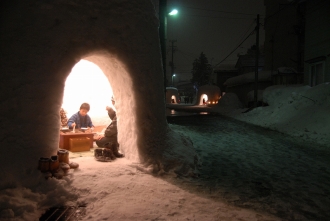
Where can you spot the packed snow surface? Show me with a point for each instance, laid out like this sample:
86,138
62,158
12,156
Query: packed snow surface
122,190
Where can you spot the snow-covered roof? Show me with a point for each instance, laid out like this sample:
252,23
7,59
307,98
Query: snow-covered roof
171,88
248,78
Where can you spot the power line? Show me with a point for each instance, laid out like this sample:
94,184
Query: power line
248,29
281,9
207,16
234,49
204,9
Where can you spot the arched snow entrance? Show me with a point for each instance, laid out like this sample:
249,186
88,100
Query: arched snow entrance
126,103
173,99
211,94
172,95
43,42
203,99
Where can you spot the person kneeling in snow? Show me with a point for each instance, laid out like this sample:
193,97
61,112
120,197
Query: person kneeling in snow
110,138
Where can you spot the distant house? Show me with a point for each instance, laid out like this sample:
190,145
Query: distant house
186,91
317,42
221,75
185,88
247,63
284,34
286,76
244,84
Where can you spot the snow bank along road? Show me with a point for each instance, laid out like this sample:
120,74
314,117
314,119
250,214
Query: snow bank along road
256,168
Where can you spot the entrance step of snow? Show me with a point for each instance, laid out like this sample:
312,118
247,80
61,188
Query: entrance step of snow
63,213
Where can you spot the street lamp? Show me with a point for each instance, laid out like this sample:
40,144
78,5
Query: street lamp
173,12
163,13
172,79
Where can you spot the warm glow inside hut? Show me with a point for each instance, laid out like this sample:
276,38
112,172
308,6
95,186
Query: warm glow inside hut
172,95
208,95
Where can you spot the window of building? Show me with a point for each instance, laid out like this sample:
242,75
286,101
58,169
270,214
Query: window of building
316,72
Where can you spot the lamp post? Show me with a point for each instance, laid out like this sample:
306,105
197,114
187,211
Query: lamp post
172,13
163,32
172,79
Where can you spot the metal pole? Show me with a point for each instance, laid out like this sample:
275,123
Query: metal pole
256,65
163,34
172,63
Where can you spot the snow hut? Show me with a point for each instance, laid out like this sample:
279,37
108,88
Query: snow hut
41,41
208,94
172,95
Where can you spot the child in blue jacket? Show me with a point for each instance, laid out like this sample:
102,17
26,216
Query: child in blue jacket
81,118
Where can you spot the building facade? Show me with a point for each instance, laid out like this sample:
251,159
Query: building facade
317,42
284,34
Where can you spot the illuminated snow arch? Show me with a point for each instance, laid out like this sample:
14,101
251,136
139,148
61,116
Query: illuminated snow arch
121,38
210,94
123,91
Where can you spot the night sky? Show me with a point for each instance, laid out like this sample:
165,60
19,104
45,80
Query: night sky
215,27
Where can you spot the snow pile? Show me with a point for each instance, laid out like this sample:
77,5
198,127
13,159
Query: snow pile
297,110
228,103
183,158
28,202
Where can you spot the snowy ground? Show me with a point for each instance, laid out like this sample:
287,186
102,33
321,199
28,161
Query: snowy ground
300,111
261,169
128,192
245,173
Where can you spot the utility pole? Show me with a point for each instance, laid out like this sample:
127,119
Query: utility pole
256,65
163,34
172,62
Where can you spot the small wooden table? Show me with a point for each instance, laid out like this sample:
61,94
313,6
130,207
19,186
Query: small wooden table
65,138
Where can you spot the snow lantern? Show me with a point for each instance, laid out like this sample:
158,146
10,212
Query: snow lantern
208,95
172,95
44,41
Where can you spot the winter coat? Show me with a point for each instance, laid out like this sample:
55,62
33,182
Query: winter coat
80,121
112,128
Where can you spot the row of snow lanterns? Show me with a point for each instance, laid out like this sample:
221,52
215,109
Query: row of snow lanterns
212,102
209,102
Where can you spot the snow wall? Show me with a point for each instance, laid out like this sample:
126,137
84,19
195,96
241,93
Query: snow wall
41,41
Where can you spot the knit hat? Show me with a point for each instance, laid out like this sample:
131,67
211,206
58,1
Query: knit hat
111,113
